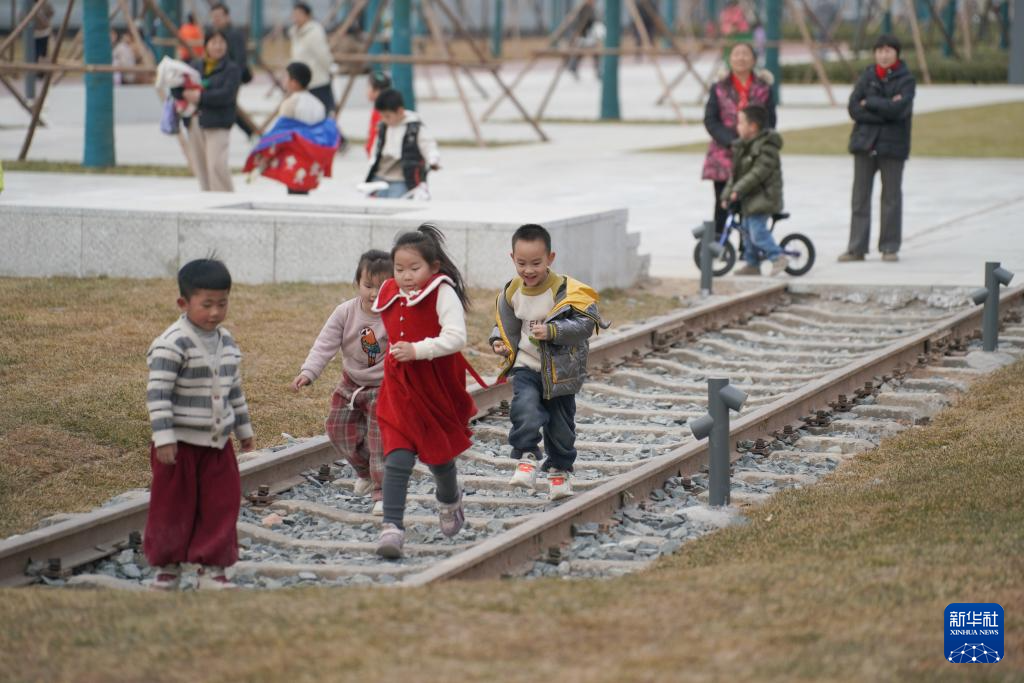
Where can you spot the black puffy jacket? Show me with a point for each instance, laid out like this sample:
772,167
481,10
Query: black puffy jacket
218,102
882,125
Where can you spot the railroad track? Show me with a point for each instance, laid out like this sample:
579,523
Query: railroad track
793,353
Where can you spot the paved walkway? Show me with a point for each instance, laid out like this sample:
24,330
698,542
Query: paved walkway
958,213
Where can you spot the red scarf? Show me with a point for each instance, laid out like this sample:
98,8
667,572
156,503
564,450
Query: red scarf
882,71
743,89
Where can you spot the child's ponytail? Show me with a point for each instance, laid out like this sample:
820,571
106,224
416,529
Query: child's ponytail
429,242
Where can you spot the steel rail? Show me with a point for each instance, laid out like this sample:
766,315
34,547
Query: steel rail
500,554
92,535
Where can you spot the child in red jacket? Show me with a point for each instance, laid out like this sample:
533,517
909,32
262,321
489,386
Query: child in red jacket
424,408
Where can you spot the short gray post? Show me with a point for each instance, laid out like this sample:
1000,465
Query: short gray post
707,263
718,447
990,316
989,296
715,425
707,252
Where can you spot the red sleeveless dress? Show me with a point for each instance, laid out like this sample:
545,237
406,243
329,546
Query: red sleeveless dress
423,405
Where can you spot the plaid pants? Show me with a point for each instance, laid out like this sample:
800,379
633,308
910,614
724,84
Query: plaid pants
352,429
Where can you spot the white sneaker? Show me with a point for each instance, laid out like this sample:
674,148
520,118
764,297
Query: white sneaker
167,578
525,474
363,486
378,508
214,578
559,484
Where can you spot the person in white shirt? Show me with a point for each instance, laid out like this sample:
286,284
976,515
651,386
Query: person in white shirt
310,46
405,150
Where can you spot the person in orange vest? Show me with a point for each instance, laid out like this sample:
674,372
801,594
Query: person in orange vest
191,33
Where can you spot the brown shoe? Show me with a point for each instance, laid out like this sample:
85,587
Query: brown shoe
749,270
847,257
891,256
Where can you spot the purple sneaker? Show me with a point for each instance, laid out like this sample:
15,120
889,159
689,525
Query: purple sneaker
452,517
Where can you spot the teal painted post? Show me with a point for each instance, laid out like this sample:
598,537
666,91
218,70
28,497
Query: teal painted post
773,34
711,7
498,30
887,22
671,15
99,87
1004,24
949,19
172,9
401,44
256,26
29,45
610,68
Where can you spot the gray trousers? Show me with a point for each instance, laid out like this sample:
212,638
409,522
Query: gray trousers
890,236
398,466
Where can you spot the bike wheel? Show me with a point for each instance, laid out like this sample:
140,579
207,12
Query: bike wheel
720,265
800,251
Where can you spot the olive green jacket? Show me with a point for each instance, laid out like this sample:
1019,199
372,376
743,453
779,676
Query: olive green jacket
756,174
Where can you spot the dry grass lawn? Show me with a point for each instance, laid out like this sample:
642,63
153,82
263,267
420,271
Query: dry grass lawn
73,424
843,581
992,131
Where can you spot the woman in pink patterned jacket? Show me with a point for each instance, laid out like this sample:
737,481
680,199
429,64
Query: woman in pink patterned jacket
739,88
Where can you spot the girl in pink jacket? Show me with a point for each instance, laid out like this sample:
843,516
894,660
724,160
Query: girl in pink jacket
358,332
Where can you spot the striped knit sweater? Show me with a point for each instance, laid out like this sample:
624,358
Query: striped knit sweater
184,402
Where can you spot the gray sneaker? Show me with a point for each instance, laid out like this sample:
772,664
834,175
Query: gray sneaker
890,256
390,541
779,264
749,270
848,257
452,517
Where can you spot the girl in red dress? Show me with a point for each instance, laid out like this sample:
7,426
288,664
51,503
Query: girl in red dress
424,408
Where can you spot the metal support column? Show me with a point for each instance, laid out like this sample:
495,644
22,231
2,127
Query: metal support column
610,110
949,21
498,30
256,27
99,87
1017,44
773,34
401,45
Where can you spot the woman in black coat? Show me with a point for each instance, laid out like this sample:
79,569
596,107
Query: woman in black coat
209,131
881,106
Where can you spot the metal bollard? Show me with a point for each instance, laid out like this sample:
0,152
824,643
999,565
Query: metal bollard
989,295
715,424
709,249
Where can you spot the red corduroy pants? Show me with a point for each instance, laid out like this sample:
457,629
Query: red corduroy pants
193,507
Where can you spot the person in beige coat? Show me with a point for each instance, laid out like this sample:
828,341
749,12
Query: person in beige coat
310,46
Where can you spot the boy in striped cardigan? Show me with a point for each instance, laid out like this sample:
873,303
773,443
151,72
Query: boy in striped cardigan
195,402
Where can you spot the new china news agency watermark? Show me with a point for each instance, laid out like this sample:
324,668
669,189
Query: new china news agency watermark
974,633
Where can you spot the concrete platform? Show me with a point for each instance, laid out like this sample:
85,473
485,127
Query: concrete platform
312,239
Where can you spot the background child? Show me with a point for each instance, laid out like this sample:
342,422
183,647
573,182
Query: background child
378,83
195,402
405,150
357,331
544,321
300,148
300,104
424,408
756,184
